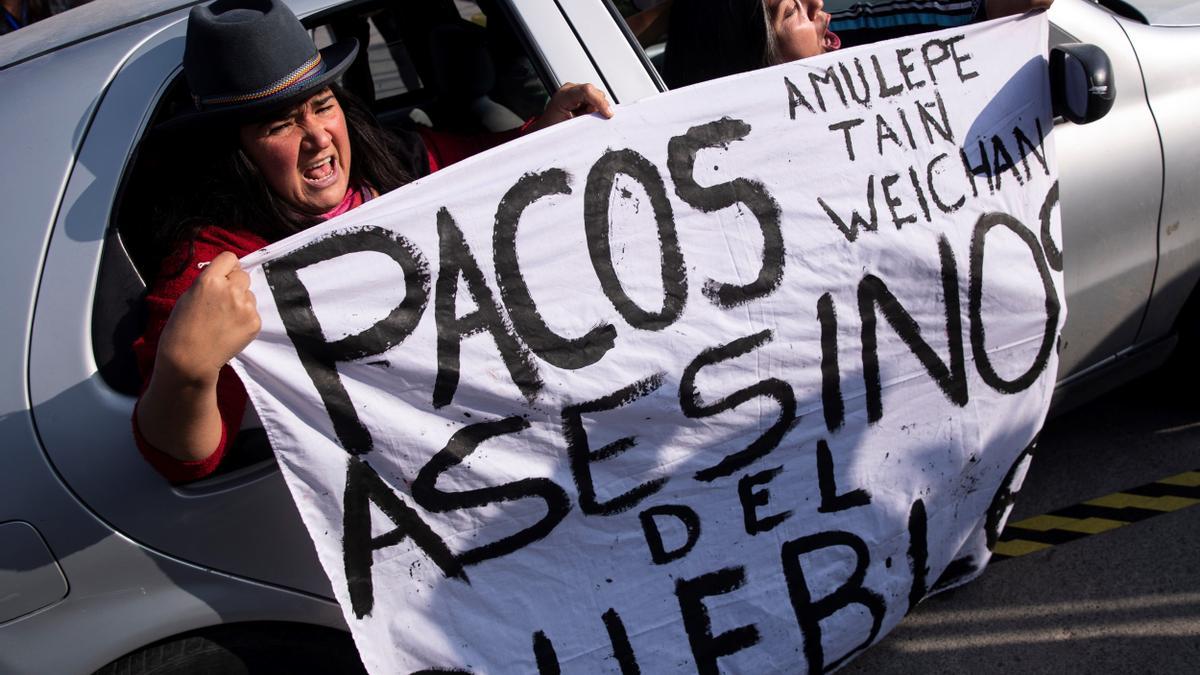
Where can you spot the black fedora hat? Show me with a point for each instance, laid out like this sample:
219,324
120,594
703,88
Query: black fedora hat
244,58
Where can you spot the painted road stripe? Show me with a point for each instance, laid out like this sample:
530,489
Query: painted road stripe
1189,479
1098,515
1168,490
1014,548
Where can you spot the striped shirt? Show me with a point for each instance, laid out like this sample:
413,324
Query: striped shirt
865,22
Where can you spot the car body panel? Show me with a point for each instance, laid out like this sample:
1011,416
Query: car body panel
30,577
623,71
44,126
1168,57
83,23
554,40
1109,245
123,597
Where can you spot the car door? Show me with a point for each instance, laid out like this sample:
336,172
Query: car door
1170,58
1110,175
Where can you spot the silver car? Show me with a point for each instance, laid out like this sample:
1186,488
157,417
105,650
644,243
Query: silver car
102,562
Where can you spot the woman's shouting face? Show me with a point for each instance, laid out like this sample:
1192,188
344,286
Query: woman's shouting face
304,153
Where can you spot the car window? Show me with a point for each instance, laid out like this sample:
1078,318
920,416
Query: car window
457,66
453,65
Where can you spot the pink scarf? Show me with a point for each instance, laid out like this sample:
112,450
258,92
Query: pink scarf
354,198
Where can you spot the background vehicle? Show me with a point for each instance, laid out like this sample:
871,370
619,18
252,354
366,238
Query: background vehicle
99,557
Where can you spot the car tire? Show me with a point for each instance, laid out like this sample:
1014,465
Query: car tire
244,649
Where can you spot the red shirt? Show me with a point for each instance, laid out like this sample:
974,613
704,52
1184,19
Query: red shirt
441,149
231,395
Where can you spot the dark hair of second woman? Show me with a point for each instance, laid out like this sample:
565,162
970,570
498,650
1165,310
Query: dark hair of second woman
707,39
218,184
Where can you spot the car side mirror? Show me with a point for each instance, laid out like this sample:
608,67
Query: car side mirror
1082,89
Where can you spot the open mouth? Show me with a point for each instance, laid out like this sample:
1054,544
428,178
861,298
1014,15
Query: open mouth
831,41
320,174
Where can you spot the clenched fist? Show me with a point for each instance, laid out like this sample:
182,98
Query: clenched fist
214,320
211,323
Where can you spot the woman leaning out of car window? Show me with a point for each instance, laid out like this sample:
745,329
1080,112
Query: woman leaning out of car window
293,150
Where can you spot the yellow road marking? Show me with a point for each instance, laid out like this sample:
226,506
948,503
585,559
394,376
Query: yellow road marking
1047,522
1094,525
1187,479
1018,547
1121,500
1040,523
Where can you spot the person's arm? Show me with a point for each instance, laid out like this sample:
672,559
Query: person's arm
863,23
994,9
178,413
571,100
650,25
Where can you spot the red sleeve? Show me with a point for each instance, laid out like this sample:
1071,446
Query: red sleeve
177,274
444,149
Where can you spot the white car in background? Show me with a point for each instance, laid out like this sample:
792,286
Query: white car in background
104,565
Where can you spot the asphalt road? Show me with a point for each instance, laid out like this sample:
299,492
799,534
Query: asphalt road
1122,601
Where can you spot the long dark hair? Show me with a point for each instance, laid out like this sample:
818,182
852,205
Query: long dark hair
213,182
707,39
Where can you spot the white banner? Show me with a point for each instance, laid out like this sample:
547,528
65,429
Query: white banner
729,382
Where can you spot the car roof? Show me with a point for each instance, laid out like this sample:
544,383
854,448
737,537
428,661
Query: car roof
98,18
79,24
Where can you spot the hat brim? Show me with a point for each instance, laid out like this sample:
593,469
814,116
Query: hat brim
336,57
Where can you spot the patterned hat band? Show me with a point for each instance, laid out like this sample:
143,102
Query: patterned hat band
310,69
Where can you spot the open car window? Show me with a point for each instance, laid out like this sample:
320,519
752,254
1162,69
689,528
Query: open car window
453,66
